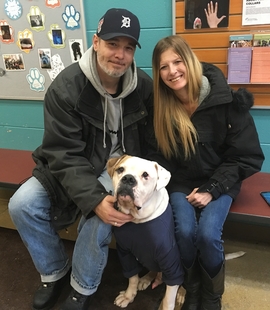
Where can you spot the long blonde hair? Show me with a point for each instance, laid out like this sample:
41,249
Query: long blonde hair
172,123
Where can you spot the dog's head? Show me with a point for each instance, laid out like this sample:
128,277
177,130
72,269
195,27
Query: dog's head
135,182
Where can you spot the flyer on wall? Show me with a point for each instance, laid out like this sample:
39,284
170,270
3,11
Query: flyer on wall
256,12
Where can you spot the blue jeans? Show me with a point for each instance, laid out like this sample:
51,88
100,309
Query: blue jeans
29,209
199,231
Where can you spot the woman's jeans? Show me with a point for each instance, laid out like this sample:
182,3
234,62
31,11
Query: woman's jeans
29,209
199,231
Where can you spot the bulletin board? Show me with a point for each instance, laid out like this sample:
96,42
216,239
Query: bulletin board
38,39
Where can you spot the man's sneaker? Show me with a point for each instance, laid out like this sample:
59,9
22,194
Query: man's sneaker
47,294
76,301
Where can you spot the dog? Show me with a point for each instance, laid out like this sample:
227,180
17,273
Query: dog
76,50
149,240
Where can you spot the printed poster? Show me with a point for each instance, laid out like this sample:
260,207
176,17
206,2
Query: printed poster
206,14
256,12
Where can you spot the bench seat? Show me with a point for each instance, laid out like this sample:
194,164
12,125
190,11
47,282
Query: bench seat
249,206
16,166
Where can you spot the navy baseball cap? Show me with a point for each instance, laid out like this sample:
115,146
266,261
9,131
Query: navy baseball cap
119,22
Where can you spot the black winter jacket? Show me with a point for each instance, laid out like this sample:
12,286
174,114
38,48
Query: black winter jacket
72,155
228,148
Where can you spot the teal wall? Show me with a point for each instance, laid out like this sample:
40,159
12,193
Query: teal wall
262,121
21,122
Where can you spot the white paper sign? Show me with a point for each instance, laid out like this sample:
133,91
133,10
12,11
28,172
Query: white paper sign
256,12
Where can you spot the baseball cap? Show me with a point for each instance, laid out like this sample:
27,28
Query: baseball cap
119,22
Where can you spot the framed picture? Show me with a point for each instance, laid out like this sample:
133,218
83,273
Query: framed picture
57,36
5,32
206,14
13,62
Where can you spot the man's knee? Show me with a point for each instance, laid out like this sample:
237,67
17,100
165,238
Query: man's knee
16,202
99,232
27,199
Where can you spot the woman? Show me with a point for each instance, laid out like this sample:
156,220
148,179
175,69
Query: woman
210,144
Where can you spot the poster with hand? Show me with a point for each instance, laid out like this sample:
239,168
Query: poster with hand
206,14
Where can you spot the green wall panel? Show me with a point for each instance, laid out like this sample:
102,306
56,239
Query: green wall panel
266,164
16,138
262,121
21,113
151,13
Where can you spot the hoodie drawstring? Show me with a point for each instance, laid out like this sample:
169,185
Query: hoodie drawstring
104,121
122,126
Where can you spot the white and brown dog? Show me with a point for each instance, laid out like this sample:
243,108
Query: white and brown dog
148,241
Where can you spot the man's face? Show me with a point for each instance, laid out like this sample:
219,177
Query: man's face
114,56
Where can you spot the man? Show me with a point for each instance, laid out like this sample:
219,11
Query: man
97,108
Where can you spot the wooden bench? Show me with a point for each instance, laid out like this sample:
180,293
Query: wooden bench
16,166
249,206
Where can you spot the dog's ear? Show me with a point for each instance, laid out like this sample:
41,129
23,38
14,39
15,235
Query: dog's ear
163,176
110,165
115,162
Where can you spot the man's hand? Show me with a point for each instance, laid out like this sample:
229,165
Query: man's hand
106,212
199,200
211,15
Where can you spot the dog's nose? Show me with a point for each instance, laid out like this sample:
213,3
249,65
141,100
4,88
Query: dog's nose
129,179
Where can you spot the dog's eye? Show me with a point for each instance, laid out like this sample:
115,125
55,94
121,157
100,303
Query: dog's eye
120,170
145,175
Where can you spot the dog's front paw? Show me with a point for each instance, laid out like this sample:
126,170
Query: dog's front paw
146,280
123,299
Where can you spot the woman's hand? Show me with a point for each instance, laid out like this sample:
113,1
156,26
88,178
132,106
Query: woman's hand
199,200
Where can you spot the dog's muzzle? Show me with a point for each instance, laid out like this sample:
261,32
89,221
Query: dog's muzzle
126,185
129,180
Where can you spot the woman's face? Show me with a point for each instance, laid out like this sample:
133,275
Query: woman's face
172,70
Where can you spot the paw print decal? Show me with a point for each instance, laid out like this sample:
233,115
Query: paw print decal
36,80
71,17
25,40
52,3
6,32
